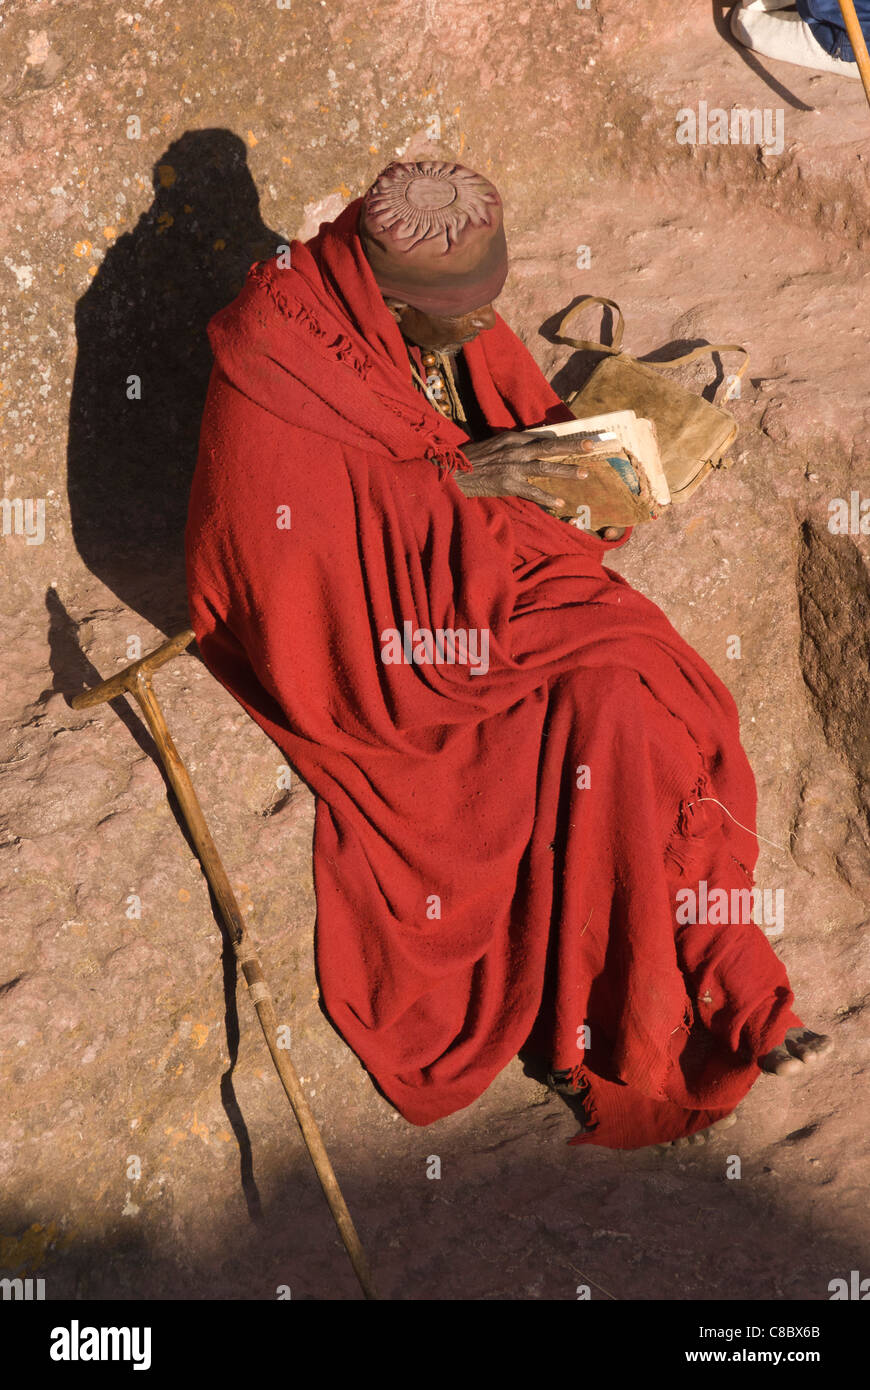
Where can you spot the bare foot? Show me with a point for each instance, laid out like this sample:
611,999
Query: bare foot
801,1047
701,1136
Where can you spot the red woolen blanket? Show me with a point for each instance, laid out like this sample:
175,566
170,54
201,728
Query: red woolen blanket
474,889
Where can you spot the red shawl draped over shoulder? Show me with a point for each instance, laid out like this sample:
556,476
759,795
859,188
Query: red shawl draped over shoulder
474,889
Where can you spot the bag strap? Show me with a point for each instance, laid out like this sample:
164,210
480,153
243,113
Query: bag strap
616,346
585,343
706,351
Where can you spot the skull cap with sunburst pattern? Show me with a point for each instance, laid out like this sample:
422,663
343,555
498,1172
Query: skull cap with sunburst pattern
432,232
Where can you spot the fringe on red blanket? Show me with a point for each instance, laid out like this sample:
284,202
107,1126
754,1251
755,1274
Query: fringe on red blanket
449,460
341,347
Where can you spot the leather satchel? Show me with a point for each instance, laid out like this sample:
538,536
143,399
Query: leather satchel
694,436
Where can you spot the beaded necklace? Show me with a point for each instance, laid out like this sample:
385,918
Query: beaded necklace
439,386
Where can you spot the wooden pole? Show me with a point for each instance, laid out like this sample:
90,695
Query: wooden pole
135,680
858,42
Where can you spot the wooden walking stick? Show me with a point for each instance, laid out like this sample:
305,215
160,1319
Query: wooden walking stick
856,39
135,680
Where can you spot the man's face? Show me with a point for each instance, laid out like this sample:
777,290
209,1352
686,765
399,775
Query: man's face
437,332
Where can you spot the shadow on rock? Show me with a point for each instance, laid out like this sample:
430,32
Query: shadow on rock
511,1230
143,366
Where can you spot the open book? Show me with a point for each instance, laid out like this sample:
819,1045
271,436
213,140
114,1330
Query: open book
625,482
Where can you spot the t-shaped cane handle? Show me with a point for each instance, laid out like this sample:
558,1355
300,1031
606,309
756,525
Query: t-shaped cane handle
126,680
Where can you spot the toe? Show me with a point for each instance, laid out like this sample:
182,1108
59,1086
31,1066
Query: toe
700,1136
807,1046
780,1061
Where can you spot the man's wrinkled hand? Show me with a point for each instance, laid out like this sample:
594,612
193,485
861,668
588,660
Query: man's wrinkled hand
503,463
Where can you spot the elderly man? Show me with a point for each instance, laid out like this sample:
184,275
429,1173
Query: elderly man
520,767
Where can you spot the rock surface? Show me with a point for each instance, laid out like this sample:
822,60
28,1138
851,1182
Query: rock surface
148,1149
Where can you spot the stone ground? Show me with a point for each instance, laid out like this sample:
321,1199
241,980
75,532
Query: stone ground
116,1031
